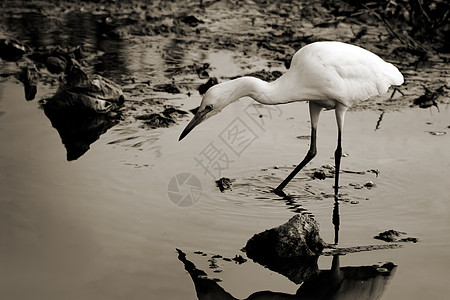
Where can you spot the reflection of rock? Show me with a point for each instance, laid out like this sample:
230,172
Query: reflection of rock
364,282
78,130
29,79
89,93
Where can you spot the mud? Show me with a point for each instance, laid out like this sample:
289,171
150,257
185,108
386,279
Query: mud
267,31
395,236
225,184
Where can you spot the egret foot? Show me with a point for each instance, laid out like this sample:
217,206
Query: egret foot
279,192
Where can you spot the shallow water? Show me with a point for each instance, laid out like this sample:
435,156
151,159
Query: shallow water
105,226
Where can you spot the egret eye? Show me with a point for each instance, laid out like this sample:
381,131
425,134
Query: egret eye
209,107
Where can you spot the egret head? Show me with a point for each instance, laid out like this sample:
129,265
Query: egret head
214,100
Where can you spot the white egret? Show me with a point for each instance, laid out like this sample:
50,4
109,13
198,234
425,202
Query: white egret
330,75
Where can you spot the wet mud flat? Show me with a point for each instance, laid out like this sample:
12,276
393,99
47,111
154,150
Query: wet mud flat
106,218
162,53
169,42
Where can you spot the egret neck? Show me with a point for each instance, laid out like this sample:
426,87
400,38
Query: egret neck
259,90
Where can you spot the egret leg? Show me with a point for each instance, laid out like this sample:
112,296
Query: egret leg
337,162
340,114
314,111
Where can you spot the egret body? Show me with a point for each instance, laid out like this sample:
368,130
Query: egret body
330,75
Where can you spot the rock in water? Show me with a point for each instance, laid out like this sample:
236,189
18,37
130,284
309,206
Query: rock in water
224,184
86,92
291,249
55,64
298,237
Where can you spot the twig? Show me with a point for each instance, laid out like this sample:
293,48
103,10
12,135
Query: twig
406,39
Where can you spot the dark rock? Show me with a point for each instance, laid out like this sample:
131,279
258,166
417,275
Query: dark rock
369,184
90,93
55,64
430,98
202,71
437,133
156,120
291,249
297,238
167,88
171,111
224,184
11,50
191,20
395,236
320,174
204,87
239,259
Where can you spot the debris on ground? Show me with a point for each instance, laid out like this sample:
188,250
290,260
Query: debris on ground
167,88
156,120
239,259
205,86
395,236
319,174
224,184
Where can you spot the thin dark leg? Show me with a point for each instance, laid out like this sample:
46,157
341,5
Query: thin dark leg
340,112
336,221
309,156
337,161
314,112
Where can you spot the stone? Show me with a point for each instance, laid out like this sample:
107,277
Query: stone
55,64
298,237
224,184
291,249
92,93
395,236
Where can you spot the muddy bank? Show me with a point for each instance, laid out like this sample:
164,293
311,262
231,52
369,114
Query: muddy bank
175,33
159,52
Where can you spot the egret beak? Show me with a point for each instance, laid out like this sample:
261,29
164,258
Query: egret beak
199,117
